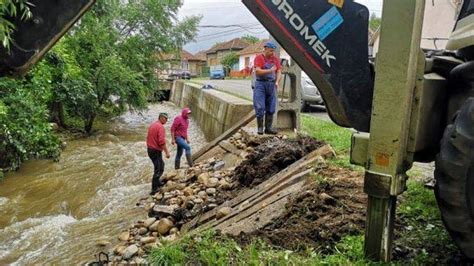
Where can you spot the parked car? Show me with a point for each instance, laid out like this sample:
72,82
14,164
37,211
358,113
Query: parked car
217,72
179,74
309,93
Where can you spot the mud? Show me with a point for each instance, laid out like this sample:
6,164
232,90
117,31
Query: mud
329,208
271,157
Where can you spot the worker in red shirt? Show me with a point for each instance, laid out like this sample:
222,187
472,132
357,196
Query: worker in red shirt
156,145
268,75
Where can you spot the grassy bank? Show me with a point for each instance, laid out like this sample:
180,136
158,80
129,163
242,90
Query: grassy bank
420,237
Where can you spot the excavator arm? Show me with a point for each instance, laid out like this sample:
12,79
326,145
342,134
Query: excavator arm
329,41
34,37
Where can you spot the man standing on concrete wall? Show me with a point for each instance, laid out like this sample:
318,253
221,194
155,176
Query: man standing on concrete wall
179,136
268,74
156,145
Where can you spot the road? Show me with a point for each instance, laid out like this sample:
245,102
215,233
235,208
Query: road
242,88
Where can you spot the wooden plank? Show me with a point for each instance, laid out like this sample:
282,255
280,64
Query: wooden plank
246,210
269,187
258,190
231,131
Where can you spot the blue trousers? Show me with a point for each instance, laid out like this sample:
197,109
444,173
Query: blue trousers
182,146
264,98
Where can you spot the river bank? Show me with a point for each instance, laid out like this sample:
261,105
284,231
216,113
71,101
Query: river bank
56,212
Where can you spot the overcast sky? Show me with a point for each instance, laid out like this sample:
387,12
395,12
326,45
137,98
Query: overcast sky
225,12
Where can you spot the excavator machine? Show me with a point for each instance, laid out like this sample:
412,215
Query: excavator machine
411,105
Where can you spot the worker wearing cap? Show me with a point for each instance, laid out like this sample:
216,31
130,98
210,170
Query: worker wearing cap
268,74
179,136
156,145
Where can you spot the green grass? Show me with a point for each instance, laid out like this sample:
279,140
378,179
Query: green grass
338,137
424,230
210,249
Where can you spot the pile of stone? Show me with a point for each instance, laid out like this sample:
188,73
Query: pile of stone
185,194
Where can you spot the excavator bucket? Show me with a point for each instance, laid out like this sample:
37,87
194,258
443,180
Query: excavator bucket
329,41
34,37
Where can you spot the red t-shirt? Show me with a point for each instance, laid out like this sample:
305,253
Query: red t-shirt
260,61
156,137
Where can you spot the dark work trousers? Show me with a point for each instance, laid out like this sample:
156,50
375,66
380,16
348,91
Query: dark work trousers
157,159
264,98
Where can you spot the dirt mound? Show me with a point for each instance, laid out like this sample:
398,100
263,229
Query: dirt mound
271,157
330,208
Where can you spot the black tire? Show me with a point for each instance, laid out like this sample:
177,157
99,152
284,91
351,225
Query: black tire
304,107
454,175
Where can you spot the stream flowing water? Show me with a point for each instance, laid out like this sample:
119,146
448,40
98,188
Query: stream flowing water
56,212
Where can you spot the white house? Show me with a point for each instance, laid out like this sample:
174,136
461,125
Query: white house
438,23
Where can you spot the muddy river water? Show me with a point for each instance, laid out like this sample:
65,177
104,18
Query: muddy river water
56,212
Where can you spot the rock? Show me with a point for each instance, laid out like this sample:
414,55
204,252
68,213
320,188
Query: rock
149,222
198,201
103,243
167,195
140,261
327,152
150,246
250,150
202,194
223,184
211,161
327,198
211,191
170,186
244,155
219,165
154,227
149,206
212,182
222,212
142,231
238,136
175,201
164,226
188,191
203,178
170,238
124,236
147,240
170,175
158,196
174,231
119,249
164,209
189,204
130,252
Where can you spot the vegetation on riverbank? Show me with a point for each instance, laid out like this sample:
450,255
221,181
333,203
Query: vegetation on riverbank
105,66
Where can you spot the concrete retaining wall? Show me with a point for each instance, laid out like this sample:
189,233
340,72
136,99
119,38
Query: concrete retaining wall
214,111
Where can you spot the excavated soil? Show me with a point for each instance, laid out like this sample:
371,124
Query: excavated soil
271,157
319,216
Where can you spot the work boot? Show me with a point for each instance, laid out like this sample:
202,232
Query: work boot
260,125
189,158
268,125
177,164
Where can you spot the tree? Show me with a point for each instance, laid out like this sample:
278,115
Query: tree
374,22
230,60
117,44
251,39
